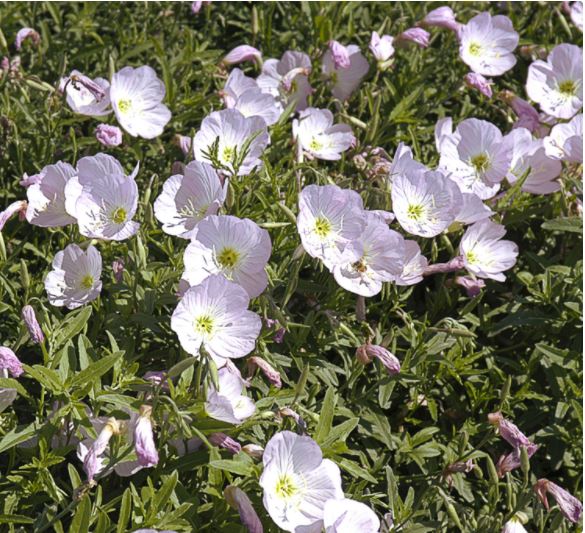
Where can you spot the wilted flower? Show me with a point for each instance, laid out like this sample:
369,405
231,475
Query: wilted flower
92,452
11,67
414,35
528,155
477,81
513,460
414,265
20,207
9,363
315,131
187,199
144,438
228,403
238,499
26,33
108,135
214,315
376,256
508,430
235,248
557,84
441,17
484,253
287,79
46,198
346,516
345,80
565,141
381,47
443,268
297,481
242,53
471,285
367,352
487,44
229,131
32,324
75,278
570,506
329,218
221,440
272,375
86,96
137,96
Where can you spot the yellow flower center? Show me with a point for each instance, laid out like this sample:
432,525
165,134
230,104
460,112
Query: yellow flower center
322,227
285,487
475,49
203,325
119,215
568,88
480,162
415,211
228,257
124,106
315,145
228,154
87,281
471,257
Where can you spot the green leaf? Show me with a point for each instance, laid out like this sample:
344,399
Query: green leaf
351,467
47,377
340,432
71,326
570,224
14,437
326,417
80,522
15,519
162,496
235,467
94,371
125,511
181,366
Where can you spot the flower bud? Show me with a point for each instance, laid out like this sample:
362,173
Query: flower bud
472,286
33,326
367,352
118,269
415,35
108,135
144,438
238,499
14,208
477,81
269,372
184,142
508,431
224,441
253,450
242,53
442,17
26,33
339,54
9,363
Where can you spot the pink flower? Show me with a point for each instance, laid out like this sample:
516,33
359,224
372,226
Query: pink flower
570,506
9,363
415,35
472,286
272,375
224,441
381,47
32,324
15,207
144,438
477,81
367,352
339,54
242,53
196,6
442,17
108,135
238,499
26,33
118,269
184,142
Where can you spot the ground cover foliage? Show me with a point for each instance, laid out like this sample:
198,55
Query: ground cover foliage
515,348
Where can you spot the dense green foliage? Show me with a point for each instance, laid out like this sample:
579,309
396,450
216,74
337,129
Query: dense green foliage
517,347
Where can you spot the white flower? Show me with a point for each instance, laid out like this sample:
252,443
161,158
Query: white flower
75,278
236,85
425,203
484,253
565,141
228,404
557,84
345,80
186,199
529,153
414,265
297,482
103,199
86,96
214,315
475,156
577,14
287,79
137,96
329,218
487,44
46,197
381,47
231,130
514,526
318,136
403,162
376,256
235,248
348,516
472,209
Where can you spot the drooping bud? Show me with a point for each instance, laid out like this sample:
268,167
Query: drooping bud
225,441
9,363
442,17
238,499
367,352
508,431
414,35
472,286
457,263
32,324
242,53
77,78
108,135
272,375
14,208
513,460
93,461
26,33
477,81
184,142
144,445
253,450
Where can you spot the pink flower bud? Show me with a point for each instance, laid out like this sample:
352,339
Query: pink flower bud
157,378
367,352
270,373
184,142
472,286
33,326
14,208
196,6
381,47
224,441
477,81
242,53
528,117
508,431
460,467
253,450
301,424
442,17
108,135
238,499
455,264
144,438
415,35
339,54
26,33
9,363
118,269
570,506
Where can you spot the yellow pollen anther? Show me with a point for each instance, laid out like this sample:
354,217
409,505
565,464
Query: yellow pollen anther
119,215
228,257
87,281
322,227
124,106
